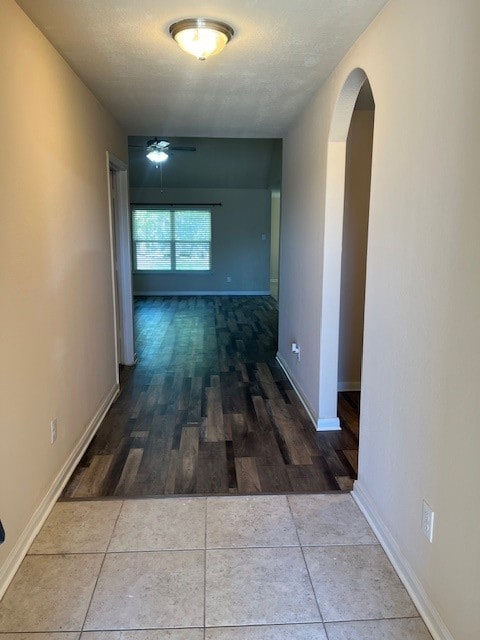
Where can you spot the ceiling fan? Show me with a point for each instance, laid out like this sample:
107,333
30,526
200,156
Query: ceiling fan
158,150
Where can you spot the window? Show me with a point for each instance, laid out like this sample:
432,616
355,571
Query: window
171,240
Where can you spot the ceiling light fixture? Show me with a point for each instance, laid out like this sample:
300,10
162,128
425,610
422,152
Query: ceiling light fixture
201,37
157,150
157,156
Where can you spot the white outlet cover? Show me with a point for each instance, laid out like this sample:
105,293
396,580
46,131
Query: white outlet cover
53,430
427,521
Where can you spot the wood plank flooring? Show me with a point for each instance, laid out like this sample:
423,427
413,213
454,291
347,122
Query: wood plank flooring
207,410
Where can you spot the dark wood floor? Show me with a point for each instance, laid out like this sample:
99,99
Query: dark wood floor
208,410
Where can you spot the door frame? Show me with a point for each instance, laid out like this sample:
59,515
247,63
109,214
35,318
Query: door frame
121,261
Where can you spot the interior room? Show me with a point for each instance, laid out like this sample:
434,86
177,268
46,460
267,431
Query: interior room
372,109
236,177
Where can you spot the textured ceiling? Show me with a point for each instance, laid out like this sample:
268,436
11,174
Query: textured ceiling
281,52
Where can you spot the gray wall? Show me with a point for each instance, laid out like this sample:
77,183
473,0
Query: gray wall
240,243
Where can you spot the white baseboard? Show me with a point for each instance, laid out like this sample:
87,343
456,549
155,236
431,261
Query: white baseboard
328,424
298,390
320,424
420,598
19,551
202,293
349,385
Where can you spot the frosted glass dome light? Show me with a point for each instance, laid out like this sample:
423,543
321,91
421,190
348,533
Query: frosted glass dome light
157,155
201,37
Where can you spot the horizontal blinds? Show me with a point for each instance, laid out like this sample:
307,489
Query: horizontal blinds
192,226
166,240
153,255
192,256
151,225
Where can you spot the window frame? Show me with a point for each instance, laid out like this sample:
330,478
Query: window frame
172,242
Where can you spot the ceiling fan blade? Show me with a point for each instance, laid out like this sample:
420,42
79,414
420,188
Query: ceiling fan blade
162,145
183,148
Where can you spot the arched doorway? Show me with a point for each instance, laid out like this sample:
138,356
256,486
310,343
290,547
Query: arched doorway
334,290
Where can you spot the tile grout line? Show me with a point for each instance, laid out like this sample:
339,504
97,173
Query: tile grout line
205,574
240,626
352,620
93,592
115,526
326,631
100,571
305,563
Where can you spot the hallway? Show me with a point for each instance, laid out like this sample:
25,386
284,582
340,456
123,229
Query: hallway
207,410
80,79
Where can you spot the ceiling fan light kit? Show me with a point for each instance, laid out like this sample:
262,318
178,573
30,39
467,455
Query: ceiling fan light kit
201,37
157,156
157,150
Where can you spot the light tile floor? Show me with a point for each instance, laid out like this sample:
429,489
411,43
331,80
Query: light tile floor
220,568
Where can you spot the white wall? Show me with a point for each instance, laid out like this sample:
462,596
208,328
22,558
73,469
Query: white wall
58,351
420,433
238,250
354,248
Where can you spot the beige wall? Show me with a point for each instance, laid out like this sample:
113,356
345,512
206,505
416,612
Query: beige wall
420,431
354,248
55,275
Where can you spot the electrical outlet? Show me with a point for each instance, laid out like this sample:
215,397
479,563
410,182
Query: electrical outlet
229,278
53,430
427,521
296,349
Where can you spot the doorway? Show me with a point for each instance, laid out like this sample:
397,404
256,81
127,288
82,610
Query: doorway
345,245
358,167
121,260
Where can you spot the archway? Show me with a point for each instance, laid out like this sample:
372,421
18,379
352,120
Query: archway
332,250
